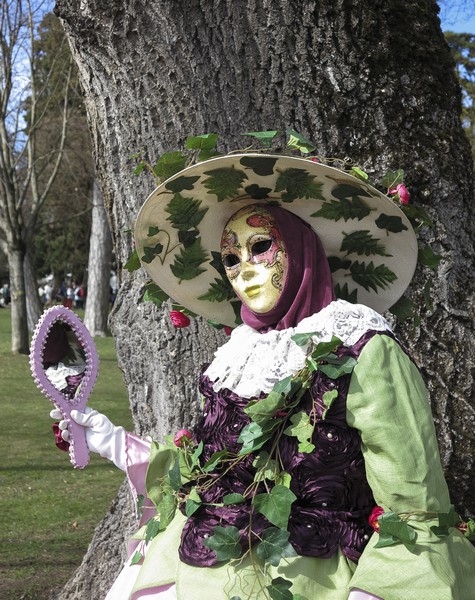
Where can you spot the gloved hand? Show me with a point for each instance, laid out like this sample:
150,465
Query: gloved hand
101,435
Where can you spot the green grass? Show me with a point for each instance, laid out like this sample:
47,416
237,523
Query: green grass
48,509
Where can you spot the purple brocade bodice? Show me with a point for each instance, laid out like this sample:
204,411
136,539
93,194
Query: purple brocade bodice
334,499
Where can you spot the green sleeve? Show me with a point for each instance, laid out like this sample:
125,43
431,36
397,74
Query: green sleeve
387,403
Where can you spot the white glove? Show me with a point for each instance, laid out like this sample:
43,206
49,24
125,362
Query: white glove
101,435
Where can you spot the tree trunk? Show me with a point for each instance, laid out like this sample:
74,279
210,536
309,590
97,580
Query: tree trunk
33,304
99,268
369,79
20,340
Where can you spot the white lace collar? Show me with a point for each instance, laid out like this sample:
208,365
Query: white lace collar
252,362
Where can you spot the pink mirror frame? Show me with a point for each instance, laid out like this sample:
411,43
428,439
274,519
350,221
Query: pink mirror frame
78,450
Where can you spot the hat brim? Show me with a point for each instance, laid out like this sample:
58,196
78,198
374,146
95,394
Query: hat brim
369,242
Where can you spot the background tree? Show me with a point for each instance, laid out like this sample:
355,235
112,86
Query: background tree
26,174
369,79
99,269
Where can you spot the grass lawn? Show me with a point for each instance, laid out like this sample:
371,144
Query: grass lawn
48,509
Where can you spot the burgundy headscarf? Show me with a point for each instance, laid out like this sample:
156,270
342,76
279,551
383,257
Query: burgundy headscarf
308,286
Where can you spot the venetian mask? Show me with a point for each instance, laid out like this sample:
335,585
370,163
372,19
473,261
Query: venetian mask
254,258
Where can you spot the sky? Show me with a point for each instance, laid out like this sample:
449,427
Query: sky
459,20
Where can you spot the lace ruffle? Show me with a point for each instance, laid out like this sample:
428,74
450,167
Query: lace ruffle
251,363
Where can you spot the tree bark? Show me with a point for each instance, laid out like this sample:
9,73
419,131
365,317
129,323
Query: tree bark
99,268
33,303
20,340
368,79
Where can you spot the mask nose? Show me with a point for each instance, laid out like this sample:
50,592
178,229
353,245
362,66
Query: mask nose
247,271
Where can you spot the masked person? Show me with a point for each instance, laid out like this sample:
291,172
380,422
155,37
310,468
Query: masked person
316,437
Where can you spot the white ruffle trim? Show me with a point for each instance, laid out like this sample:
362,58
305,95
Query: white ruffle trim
252,362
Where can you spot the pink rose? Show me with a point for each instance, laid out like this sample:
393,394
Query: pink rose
181,437
401,192
179,319
373,517
228,330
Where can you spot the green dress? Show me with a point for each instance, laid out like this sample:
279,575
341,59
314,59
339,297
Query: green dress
387,403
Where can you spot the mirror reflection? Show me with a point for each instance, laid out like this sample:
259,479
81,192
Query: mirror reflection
64,359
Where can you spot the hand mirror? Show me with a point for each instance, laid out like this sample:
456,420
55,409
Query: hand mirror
64,364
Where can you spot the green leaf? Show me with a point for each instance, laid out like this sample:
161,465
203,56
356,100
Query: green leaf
335,263
195,458
343,209
371,277
323,349
275,546
427,257
276,505
279,589
338,367
391,526
253,436
362,243
217,263
154,294
390,223
359,173
152,231
182,183
139,168
233,499
220,290
169,164
417,215
302,429
283,478
344,293
298,183
193,503
136,558
175,475
403,309
392,178
265,466
302,339
225,182
257,192
152,528
344,191
185,213
150,252
162,459
134,262
225,542
329,398
265,137
186,265
206,141
214,460
261,165
299,142
166,508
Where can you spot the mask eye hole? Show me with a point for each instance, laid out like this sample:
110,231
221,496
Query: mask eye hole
261,247
230,260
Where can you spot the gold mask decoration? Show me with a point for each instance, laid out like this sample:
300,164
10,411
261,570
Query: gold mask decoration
254,258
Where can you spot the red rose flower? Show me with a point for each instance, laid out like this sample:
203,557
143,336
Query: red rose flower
181,436
228,330
373,517
401,192
179,319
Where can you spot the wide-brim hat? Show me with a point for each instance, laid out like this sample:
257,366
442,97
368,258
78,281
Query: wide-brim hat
370,244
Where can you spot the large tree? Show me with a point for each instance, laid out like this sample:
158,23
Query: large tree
369,79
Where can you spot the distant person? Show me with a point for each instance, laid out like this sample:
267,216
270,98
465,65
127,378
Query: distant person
6,296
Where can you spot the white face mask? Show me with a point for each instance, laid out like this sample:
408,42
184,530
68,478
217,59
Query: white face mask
254,258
